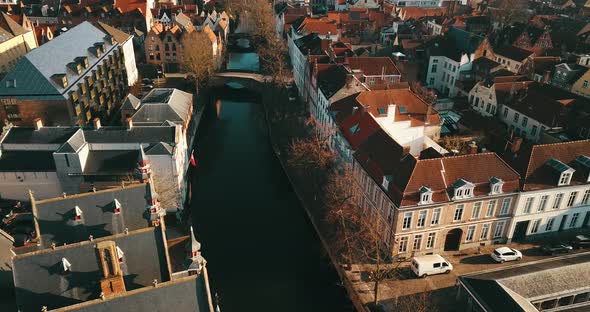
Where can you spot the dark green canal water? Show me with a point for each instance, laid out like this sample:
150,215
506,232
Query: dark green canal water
262,252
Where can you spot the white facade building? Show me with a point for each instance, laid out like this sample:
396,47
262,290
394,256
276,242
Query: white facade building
443,72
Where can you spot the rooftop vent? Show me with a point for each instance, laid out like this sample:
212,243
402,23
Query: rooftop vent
66,266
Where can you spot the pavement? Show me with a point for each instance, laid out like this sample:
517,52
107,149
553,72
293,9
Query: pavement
441,288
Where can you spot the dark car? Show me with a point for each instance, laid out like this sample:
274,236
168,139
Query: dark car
553,249
581,241
147,80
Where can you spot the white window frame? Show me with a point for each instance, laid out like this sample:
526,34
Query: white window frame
476,212
535,226
421,220
574,220
565,178
528,205
485,231
572,199
470,233
499,229
430,240
505,209
557,201
403,244
459,208
549,225
586,197
543,203
407,220
417,241
436,213
491,208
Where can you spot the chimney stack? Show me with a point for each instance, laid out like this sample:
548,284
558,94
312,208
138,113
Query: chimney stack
391,111
473,148
38,123
129,123
96,122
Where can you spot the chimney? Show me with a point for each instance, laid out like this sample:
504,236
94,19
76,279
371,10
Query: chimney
96,122
112,278
38,123
391,112
129,123
473,148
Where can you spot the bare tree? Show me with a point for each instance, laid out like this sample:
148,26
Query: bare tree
421,302
454,143
507,12
198,60
273,58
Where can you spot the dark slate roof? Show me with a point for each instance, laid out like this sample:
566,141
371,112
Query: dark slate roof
164,104
131,102
492,295
55,216
38,280
160,149
75,142
111,161
45,135
27,161
33,72
134,135
512,52
331,80
185,294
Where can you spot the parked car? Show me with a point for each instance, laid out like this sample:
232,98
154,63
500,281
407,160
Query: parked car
147,81
292,92
581,241
147,86
553,249
423,266
503,254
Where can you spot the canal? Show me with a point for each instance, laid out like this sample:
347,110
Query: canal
262,252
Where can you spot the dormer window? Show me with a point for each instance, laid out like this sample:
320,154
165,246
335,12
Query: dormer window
116,206
563,172
463,189
11,83
496,185
66,266
386,180
425,195
60,79
77,214
120,255
584,161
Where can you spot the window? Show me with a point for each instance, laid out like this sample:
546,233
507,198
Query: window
535,227
534,131
586,197
491,207
458,213
574,219
505,112
435,216
417,242
433,69
421,218
585,84
444,76
476,210
505,206
431,81
543,203
572,199
499,229
516,117
407,223
470,233
557,201
12,112
528,204
525,120
430,240
565,178
403,244
485,230
549,225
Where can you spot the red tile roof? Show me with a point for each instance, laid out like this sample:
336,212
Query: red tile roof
373,66
540,176
416,109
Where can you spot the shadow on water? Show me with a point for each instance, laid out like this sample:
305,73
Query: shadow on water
262,252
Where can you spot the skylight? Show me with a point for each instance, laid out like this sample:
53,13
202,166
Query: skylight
583,160
355,129
382,110
402,109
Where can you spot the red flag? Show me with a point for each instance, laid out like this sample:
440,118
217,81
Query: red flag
192,160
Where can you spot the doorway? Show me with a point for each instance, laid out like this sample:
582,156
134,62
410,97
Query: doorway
520,231
453,239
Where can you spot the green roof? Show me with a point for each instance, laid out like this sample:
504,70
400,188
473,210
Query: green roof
29,81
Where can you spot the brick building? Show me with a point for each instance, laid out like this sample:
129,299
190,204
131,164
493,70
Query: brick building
76,77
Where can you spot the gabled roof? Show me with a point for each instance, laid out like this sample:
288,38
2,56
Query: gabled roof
45,135
74,143
512,52
131,102
164,104
160,148
372,66
55,215
137,134
119,35
39,281
7,23
540,176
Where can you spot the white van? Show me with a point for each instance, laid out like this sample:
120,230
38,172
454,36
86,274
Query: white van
429,265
